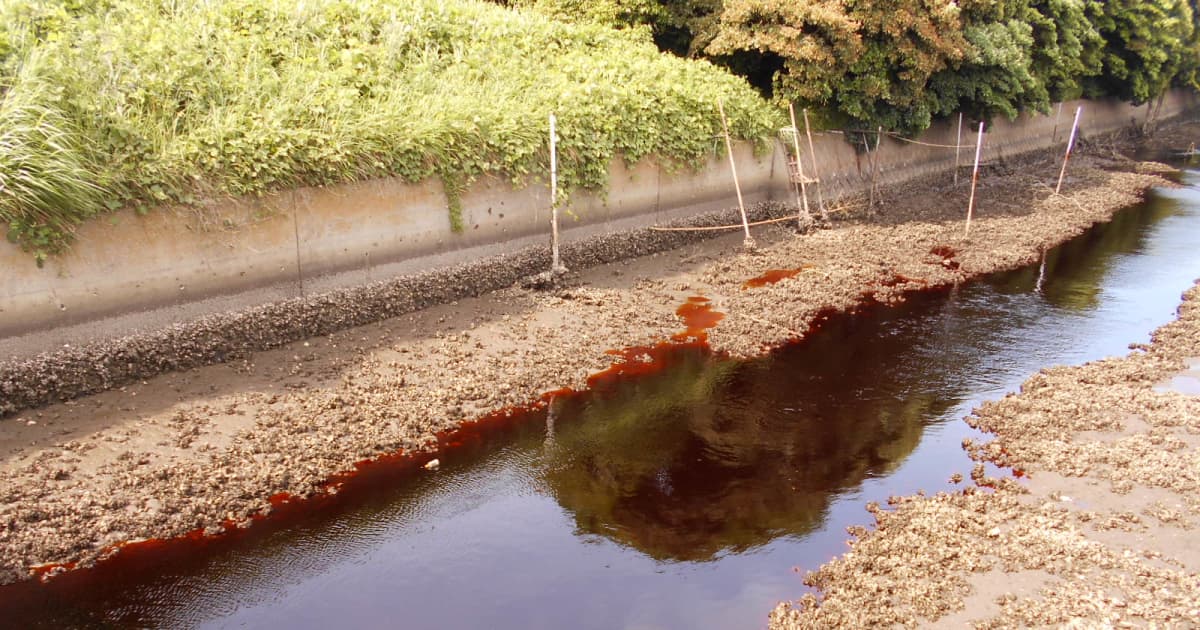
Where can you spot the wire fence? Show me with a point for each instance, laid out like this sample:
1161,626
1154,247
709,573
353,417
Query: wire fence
797,176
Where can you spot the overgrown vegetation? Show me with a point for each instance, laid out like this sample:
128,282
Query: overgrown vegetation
106,103
902,63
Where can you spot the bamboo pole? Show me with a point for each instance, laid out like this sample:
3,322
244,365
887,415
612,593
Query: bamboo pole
957,148
812,153
974,179
803,216
1070,146
749,242
555,263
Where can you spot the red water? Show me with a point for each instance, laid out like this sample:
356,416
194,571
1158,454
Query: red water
947,254
772,276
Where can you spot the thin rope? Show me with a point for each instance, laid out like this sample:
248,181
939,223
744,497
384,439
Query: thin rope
872,132
713,228
924,144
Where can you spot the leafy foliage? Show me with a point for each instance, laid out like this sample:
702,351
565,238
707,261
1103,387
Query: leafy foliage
900,63
817,41
180,101
1148,44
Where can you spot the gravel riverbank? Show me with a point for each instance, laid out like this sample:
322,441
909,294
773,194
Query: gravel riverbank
207,448
1099,532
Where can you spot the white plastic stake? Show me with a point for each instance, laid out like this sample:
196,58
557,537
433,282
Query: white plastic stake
974,178
555,264
1070,146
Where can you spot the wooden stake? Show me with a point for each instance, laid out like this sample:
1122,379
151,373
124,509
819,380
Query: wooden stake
1057,117
555,262
749,242
875,162
974,179
812,153
803,216
867,152
1070,146
1158,107
957,148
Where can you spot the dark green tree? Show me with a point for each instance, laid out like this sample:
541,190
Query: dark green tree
816,42
995,75
1149,44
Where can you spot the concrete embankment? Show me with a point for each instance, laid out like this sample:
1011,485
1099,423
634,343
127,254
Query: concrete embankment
138,296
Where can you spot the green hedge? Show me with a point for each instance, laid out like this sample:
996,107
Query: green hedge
108,103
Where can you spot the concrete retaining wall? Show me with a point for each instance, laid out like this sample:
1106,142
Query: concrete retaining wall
128,273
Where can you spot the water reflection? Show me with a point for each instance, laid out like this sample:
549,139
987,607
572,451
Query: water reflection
1077,270
716,456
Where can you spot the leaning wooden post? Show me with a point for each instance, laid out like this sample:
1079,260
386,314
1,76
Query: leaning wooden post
1158,108
803,216
974,179
1057,117
1070,145
812,154
555,263
875,161
867,152
957,148
749,242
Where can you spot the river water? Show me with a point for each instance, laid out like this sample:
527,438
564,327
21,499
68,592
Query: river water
693,497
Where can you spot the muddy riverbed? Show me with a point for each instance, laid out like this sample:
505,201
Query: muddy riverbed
207,449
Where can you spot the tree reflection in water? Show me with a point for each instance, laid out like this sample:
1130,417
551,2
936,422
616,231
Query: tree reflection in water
713,456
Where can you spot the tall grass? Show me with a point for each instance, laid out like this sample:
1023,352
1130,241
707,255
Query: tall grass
182,101
46,185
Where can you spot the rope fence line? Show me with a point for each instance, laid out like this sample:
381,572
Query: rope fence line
794,132
901,138
890,134
714,228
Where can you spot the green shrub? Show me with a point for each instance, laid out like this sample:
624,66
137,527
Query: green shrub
46,185
183,101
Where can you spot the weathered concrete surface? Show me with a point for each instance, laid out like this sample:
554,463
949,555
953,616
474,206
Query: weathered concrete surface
297,242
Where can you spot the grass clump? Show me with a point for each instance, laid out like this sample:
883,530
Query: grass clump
144,102
46,185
